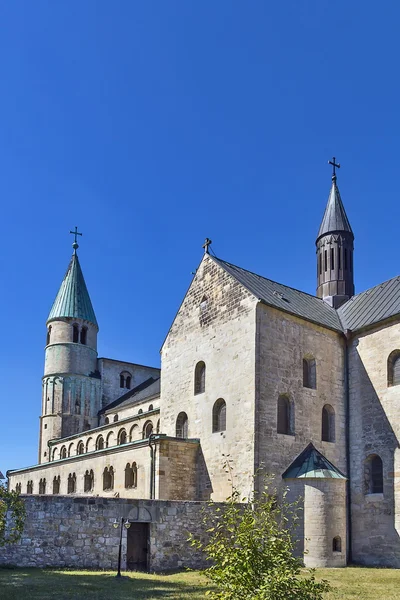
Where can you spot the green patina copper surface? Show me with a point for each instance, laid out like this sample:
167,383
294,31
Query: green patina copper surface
312,464
73,298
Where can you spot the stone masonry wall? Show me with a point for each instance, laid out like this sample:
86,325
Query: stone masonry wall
79,533
282,342
215,324
110,371
374,429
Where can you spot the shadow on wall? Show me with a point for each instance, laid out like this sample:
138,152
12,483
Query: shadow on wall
375,540
45,584
204,485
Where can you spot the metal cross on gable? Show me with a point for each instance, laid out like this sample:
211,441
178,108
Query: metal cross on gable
335,165
206,245
75,233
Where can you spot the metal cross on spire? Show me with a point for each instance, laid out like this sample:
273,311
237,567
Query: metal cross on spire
75,245
335,166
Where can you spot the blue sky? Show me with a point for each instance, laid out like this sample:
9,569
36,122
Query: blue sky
154,124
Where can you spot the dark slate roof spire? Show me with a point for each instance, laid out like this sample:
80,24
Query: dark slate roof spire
73,298
335,218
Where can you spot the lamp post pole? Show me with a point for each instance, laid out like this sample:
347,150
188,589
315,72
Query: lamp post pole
125,524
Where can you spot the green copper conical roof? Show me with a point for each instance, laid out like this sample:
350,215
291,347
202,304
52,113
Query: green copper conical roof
73,298
312,464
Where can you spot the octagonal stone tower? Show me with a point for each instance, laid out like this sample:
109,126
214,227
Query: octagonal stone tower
71,384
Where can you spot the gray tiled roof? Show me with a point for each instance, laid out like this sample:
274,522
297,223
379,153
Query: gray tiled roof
372,306
335,218
285,298
146,389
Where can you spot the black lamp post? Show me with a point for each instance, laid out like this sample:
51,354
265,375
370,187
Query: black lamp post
125,524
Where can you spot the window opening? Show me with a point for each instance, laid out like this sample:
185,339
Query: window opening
48,335
332,258
200,378
83,335
71,483
182,424
284,416
219,416
309,373
75,334
328,424
88,481
56,485
131,476
337,544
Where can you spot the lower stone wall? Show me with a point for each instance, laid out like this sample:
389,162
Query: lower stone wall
63,531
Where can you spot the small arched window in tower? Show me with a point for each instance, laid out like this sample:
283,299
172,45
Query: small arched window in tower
80,449
108,479
48,335
29,487
373,474
63,452
332,259
326,260
84,335
219,416
128,382
71,483
337,544
131,476
328,424
309,373
75,333
320,262
393,368
56,485
285,416
100,443
88,482
339,256
345,259
200,378
42,486
122,437
147,430
182,424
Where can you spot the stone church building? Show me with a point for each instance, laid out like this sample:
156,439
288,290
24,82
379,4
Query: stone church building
307,386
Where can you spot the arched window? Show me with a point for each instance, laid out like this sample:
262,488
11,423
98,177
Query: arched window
42,486
393,368
328,424
77,407
125,380
309,373
110,441
200,378
89,445
121,381
80,449
48,335
147,429
100,443
75,333
337,544
63,452
29,487
150,407
88,481
84,335
140,411
54,454
106,421
182,425
122,437
131,475
219,416
70,449
18,488
56,485
115,418
108,478
373,473
134,433
128,382
285,417
71,483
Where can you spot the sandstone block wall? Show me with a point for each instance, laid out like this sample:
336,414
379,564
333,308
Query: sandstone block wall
374,429
215,324
110,371
282,342
79,533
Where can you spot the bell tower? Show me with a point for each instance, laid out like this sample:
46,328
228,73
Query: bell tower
335,245
71,383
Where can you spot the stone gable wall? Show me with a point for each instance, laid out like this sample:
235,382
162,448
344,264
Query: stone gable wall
374,429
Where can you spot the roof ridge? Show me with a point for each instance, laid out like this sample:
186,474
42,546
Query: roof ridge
371,288
272,281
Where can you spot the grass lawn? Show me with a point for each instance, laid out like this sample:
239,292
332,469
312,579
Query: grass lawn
35,584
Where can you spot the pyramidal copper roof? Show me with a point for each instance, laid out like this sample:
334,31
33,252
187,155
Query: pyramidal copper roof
313,465
335,218
73,298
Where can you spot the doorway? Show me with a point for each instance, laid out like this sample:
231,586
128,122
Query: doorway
137,547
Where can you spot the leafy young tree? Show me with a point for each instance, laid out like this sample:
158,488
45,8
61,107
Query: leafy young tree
250,547
12,516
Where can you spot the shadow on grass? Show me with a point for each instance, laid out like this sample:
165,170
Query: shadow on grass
37,584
